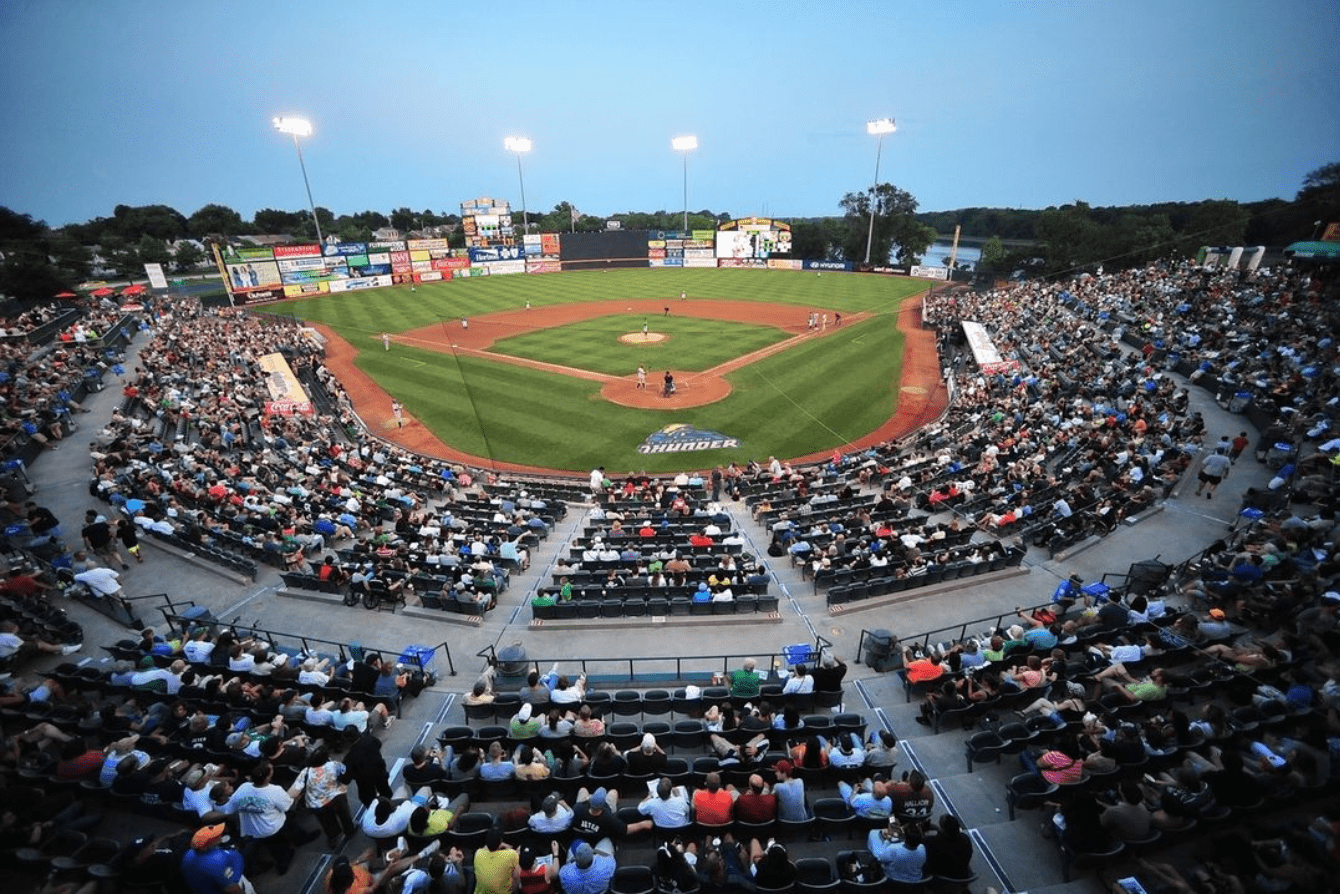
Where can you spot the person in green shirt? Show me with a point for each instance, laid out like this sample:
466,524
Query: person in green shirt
565,590
543,599
744,683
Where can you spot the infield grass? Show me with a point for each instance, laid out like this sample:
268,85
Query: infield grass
817,396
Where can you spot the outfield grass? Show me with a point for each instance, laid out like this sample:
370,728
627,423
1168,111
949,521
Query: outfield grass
693,344
821,394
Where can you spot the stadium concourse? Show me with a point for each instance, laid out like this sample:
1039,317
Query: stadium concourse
1009,856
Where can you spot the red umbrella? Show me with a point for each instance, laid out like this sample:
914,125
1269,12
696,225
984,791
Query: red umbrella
103,292
67,295
136,289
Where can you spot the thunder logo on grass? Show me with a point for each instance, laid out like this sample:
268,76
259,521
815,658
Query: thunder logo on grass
681,437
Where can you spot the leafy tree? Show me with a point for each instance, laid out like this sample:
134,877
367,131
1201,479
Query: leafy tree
27,271
1070,237
119,254
1222,222
269,221
1137,239
816,240
404,220
993,255
187,257
153,251
894,225
68,254
1322,185
216,219
352,231
158,221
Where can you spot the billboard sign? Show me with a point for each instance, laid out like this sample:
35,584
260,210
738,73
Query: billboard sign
346,248
156,278
495,253
297,251
827,265
927,272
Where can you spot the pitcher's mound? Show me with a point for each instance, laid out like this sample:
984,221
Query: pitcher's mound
643,338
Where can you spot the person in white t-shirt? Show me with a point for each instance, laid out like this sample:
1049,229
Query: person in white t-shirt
262,810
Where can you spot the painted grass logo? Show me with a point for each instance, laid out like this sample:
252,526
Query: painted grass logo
681,438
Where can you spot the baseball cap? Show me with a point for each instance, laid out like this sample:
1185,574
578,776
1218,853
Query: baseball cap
146,662
584,856
524,714
207,835
783,766
1218,614
1330,596
235,740
598,799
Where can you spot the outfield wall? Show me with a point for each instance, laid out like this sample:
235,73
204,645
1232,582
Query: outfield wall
260,274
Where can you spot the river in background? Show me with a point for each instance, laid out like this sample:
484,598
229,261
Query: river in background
938,254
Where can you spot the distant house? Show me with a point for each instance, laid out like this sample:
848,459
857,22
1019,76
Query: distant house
386,234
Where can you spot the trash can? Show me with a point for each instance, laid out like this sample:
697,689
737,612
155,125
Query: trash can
512,661
879,649
418,658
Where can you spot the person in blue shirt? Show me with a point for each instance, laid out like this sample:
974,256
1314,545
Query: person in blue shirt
590,870
208,867
899,851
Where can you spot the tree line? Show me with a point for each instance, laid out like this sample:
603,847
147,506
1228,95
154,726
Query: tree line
37,261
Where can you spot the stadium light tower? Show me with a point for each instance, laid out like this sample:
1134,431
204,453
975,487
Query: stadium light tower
520,145
301,127
878,127
685,145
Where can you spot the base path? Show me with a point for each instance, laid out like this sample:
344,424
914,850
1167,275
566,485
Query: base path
922,396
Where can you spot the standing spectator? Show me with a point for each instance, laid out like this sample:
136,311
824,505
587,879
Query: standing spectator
129,536
326,797
365,766
262,812
1213,469
97,536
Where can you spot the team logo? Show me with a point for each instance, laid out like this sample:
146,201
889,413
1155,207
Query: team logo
681,438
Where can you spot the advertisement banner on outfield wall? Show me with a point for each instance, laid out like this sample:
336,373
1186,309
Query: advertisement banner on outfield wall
500,268
346,248
288,265
369,269
495,253
306,289
393,245
784,264
655,262
927,272
549,245
756,263
656,243
890,271
456,263
298,251
655,252
672,262
399,261
432,276
237,254
254,275
707,237
260,296
368,282
700,253
532,245
427,245
827,265
421,266
544,266
469,272
700,262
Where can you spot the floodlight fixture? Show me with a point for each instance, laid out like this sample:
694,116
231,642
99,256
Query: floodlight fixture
878,127
686,145
301,127
520,145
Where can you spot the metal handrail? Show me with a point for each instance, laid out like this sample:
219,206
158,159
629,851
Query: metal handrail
957,633
174,616
656,670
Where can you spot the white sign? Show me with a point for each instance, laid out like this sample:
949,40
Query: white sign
926,272
156,278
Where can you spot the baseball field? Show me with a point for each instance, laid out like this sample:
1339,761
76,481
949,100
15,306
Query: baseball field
540,372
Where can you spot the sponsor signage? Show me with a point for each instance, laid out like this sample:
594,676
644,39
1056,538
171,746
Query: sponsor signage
672,262
232,254
699,253
894,271
308,288
827,265
253,275
369,282
399,260
420,254
495,253
700,262
370,269
379,257
707,237
655,252
548,266
347,248
655,243
469,272
549,244
421,266
432,276
287,396
742,262
683,438
498,268
927,272
156,278
256,296
428,245
784,264
297,251
290,264
393,245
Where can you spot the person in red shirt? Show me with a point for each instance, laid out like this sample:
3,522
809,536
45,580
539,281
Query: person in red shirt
712,804
919,670
79,761
758,804
1239,444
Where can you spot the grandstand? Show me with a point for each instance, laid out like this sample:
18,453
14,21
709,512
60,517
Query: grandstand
1081,462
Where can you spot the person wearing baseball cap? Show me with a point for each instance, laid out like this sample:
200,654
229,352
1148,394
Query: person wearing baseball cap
790,794
590,870
210,866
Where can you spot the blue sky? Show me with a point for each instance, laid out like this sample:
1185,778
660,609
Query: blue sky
1015,104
